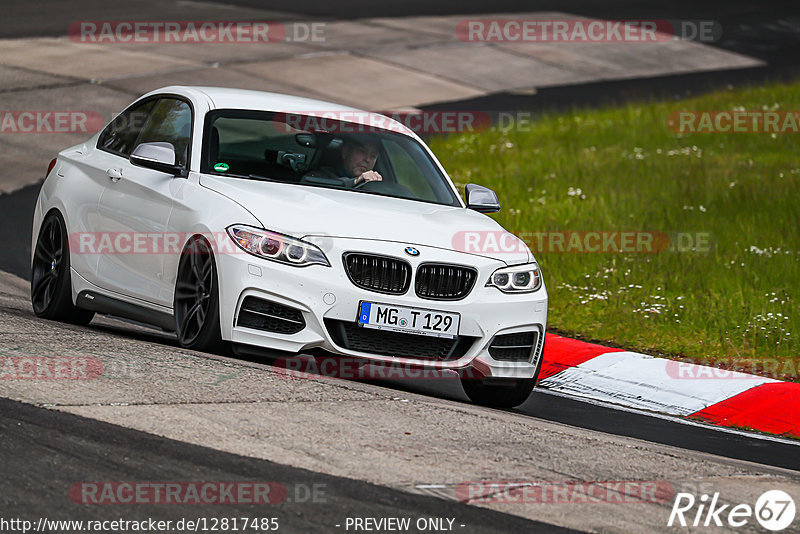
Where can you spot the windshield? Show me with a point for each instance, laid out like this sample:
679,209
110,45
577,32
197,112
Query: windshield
293,149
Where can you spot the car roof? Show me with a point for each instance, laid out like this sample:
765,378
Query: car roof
230,98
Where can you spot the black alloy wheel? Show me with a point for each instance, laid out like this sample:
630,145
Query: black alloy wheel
51,287
197,298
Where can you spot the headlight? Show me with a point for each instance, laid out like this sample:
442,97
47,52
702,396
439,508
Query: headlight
519,279
277,247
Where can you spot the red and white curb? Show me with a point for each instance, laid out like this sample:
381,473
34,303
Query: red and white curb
659,385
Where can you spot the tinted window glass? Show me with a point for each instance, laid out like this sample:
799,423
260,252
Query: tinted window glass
170,122
119,136
290,148
411,166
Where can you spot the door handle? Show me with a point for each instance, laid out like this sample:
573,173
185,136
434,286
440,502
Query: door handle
114,174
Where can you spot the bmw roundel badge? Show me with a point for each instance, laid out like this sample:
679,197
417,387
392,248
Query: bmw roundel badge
411,251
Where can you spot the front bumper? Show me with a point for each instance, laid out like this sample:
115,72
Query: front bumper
326,293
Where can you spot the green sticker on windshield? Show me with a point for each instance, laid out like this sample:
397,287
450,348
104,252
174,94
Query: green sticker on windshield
221,167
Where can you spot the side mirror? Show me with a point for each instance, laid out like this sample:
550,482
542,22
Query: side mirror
158,156
481,199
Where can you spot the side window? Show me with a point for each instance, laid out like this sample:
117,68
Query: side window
408,173
119,136
170,122
252,145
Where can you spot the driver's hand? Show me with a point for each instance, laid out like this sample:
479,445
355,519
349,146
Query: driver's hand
369,176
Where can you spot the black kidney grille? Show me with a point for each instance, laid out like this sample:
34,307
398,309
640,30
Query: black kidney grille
514,347
441,281
349,335
378,273
270,316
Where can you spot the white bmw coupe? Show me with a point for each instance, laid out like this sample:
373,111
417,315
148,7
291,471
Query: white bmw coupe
269,222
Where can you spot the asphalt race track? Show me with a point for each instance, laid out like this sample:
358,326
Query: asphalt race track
46,451
355,449
224,416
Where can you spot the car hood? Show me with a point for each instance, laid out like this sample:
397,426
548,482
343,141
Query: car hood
303,211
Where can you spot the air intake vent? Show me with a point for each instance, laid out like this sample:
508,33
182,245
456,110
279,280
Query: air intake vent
382,274
514,347
350,336
270,316
441,281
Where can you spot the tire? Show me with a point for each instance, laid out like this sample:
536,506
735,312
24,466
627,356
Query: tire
498,393
196,302
51,285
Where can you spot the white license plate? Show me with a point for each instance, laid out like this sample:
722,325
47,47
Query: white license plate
408,320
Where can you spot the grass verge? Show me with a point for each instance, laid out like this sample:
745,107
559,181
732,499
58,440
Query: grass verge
723,291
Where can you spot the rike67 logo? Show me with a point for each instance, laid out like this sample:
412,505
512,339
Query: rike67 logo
774,510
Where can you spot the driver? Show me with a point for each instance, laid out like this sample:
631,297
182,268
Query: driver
358,160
